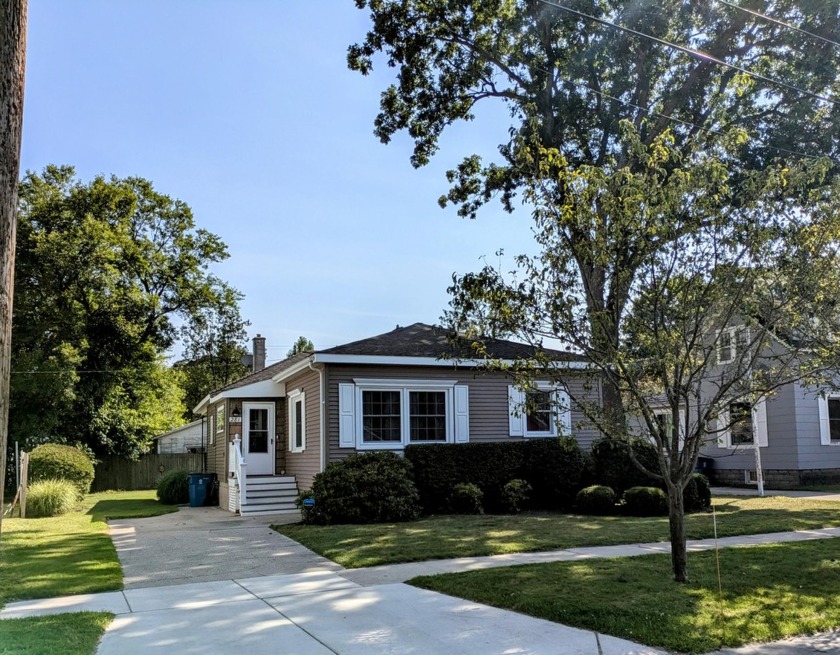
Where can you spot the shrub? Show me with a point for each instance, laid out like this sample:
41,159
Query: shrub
613,468
50,498
645,501
56,462
555,469
596,499
466,498
174,488
374,487
697,494
515,495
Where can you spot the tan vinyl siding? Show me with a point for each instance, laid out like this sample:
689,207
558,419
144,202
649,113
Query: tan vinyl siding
305,465
488,401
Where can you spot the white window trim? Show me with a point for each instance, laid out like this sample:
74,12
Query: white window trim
562,412
220,425
758,420
825,425
293,398
666,411
733,341
405,387
211,429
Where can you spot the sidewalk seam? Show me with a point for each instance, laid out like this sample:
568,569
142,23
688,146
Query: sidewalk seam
298,626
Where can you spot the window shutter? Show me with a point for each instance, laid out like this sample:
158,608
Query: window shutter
346,415
825,428
516,411
564,413
681,427
462,413
760,422
722,427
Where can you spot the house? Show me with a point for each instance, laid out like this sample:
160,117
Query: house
187,438
271,432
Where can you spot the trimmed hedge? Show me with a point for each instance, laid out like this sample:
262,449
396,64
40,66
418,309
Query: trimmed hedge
375,487
50,498
466,499
645,501
613,468
516,495
697,494
174,488
596,499
555,469
56,462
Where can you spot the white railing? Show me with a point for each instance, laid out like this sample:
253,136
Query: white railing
239,468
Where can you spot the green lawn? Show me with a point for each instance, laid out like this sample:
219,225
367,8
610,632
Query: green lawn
442,537
69,554
68,634
769,593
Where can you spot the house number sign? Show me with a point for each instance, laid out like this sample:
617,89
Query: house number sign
235,419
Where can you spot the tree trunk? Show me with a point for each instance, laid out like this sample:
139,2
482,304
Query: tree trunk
12,66
676,521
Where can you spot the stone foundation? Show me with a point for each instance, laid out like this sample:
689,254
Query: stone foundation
776,478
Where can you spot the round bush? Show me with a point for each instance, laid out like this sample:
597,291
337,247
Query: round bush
56,462
366,488
50,498
697,494
466,498
645,501
174,488
515,495
596,499
613,468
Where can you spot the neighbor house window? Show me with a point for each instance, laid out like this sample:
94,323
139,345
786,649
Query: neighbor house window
539,413
427,416
834,419
220,418
297,421
732,343
741,424
381,417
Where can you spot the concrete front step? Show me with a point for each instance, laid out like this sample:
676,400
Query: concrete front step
269,512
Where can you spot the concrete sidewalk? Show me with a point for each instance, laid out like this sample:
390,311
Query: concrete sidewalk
318,613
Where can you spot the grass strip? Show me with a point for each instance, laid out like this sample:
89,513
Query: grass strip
769,593
69,634
443,537
69,554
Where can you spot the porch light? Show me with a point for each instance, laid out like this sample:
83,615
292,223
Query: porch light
236,412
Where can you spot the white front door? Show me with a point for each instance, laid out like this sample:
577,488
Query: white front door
258,437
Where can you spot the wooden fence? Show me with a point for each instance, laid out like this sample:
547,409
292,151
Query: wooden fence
118,473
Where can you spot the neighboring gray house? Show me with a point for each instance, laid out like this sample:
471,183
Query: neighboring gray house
271,432
185,439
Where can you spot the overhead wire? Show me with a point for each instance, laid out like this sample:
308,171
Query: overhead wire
698,54
782,23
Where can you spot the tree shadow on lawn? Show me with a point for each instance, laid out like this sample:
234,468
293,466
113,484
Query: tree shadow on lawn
128,508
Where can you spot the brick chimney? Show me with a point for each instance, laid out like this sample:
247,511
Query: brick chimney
258,350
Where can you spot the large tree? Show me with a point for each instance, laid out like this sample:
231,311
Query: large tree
13,15
573,75
757,278
103,268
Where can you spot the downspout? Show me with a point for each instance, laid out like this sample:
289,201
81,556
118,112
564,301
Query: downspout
322,428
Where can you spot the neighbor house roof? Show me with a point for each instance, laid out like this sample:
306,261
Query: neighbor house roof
418,344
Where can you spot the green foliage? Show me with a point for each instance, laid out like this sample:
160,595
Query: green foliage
102,269
57,462
174,488
697,494
612,466
370,487
645,501
302,345
50,498
555,469
466,498
515,495
596,499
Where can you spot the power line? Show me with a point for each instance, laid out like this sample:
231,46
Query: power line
782,23
698,54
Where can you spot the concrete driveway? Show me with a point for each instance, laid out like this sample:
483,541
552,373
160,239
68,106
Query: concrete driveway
205,544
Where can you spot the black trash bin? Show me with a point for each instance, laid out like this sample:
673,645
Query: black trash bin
200,489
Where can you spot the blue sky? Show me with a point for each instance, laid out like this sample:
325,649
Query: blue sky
247,112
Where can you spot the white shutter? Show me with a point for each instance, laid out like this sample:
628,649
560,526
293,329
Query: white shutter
346,415
722,427
462,413
516,411
825,427
681,427
760,422
564,412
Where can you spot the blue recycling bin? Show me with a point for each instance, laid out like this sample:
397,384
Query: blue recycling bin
200,488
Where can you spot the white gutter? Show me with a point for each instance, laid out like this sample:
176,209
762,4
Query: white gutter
322,428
